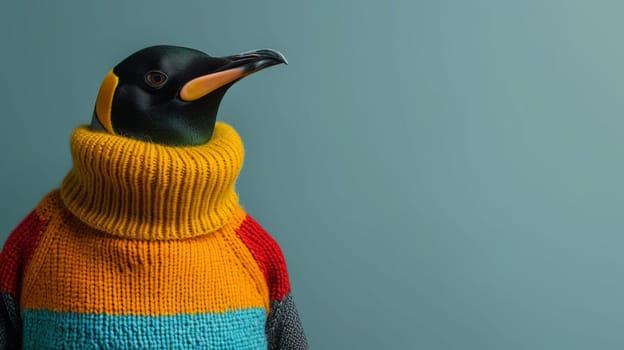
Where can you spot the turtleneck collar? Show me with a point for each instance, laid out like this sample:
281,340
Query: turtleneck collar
142,190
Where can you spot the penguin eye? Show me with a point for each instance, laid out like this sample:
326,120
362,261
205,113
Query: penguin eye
155,78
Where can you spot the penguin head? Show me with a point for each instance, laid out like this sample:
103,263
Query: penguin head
170,95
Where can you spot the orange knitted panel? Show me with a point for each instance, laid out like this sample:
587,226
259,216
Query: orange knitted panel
91,272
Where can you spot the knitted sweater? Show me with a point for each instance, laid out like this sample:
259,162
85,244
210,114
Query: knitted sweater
146,246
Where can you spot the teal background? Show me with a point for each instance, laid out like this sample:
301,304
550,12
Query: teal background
440,174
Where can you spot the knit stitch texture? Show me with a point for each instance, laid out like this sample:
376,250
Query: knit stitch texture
146,246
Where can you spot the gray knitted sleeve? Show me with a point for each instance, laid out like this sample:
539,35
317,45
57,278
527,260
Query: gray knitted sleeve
9,323
283,327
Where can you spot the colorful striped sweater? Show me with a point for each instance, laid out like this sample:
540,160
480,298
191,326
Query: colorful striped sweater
146,246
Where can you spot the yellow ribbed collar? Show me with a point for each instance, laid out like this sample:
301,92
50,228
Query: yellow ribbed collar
142,190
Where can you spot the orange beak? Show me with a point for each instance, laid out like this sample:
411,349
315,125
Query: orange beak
240,66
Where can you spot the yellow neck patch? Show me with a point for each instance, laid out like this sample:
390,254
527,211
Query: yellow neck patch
104,102
142,190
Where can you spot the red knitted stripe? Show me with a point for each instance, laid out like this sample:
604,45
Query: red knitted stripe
268,255
17,252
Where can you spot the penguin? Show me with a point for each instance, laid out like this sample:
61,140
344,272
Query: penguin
145,244
170,95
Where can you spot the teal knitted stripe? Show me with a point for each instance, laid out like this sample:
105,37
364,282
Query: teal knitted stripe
242,329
